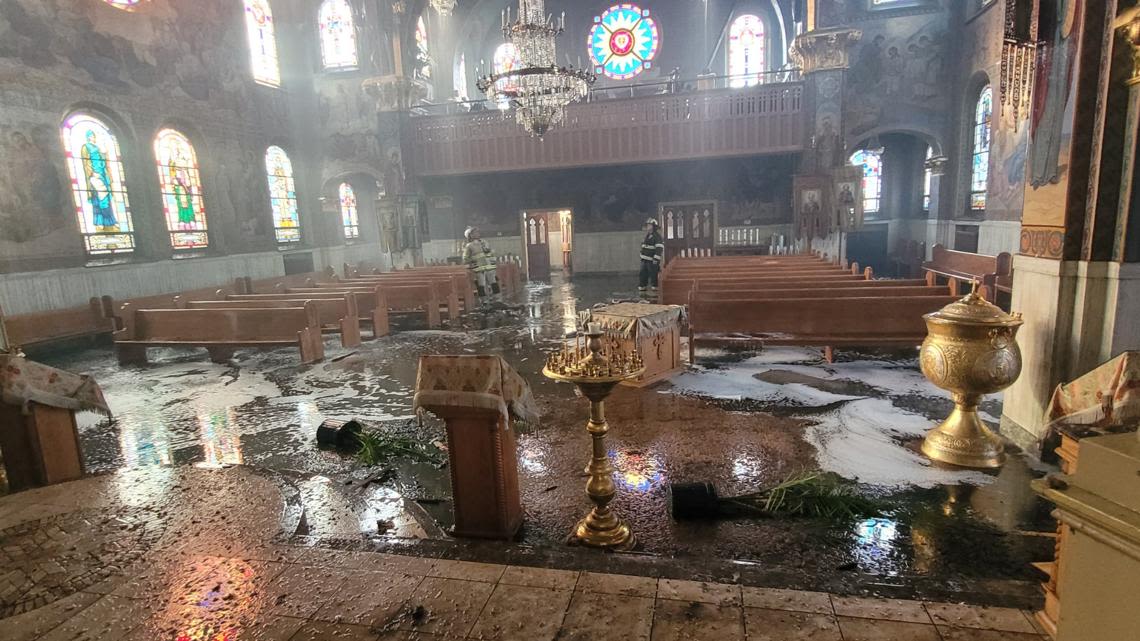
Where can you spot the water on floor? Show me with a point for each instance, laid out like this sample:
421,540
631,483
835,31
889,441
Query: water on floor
740,420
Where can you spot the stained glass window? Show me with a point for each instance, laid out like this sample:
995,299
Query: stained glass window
98,185
338,35
506,59
623,41
980,170
746,44
927,176
262,43
348,212
181,190
871,160
423,58
282,196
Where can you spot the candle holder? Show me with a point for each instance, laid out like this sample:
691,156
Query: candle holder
596,367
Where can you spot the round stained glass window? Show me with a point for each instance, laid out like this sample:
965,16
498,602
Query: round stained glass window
623,41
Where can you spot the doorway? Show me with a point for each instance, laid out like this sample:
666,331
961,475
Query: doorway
548,242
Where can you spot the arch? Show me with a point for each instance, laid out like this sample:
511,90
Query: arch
264,64
98,185
747,50
349,210
926,136
980,147
336,27
871,161
181,185
282,195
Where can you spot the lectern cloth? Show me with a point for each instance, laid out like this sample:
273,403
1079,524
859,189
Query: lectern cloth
1109,394
477,381
23,381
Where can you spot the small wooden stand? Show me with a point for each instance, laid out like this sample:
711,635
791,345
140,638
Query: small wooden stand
660,351
40,448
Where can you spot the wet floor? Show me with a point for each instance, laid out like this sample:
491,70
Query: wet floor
740,421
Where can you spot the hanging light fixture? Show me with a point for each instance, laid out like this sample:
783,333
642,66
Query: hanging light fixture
443,7
537,88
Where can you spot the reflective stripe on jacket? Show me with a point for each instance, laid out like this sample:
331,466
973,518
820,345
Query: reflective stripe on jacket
478,257
652,248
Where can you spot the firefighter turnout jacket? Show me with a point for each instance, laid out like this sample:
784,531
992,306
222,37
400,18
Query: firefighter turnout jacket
653,248
477,255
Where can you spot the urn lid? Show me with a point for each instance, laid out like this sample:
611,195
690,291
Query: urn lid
975,310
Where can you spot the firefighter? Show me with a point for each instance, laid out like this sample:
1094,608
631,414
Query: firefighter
479,258
652,252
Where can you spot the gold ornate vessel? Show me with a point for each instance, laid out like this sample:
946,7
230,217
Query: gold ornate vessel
970,350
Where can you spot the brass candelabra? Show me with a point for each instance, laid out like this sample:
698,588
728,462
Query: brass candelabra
596,365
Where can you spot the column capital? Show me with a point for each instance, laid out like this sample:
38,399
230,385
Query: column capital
937,165
824,49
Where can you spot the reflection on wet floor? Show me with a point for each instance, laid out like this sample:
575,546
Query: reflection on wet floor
742,421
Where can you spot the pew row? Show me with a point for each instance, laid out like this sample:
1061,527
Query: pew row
341,308
400,299
447,289
959,267
879,321
219,331
371,305
42,328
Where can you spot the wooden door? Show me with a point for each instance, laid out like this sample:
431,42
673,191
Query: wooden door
537,237
688,228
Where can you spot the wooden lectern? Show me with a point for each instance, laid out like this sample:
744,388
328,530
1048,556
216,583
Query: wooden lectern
476,396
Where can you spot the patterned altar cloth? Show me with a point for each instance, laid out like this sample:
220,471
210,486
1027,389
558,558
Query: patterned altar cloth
476,381
642,320
23,381
1108,395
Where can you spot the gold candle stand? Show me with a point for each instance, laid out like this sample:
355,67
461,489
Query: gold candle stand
596,368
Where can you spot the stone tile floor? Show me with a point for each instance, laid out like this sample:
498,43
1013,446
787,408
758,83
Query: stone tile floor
185,554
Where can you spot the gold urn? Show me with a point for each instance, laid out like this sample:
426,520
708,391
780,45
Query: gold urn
970,350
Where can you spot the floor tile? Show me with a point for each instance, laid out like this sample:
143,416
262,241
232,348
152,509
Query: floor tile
617,584
594,616
404,635
540,577
162,575
1031,616
784,625
880,630
445,606
369,598
368,561
797,600
874,608
465,570
977,616
691,621
111,617
324,631
973,634
520,613
699,591
30,625
300,591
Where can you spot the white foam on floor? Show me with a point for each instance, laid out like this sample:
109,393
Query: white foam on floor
738,382
859,441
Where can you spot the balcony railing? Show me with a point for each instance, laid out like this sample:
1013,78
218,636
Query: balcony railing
707,121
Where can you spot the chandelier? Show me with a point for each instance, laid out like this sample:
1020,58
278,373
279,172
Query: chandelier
536,86
443,7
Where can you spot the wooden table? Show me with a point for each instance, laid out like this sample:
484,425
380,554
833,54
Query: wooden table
654,330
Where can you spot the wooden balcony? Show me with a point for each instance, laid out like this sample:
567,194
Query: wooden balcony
764,119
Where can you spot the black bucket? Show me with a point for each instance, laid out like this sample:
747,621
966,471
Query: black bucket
340,434
693,501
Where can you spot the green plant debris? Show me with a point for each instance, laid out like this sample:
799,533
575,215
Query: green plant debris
378,447
812,494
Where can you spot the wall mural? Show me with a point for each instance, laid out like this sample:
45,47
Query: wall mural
32,189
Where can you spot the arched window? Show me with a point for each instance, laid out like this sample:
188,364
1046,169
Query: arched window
980,169
338,35
181,190
262,43
98,185
423,58
282,196
746,43
927,179
506,59
871,160
348,212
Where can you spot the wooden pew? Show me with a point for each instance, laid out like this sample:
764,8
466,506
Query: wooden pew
729,294
676,290
371,305
42,328
220,331
421,298
958,267
342,308
826,322
447,290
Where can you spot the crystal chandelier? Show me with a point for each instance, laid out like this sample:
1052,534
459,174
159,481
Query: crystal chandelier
443,7
537,87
